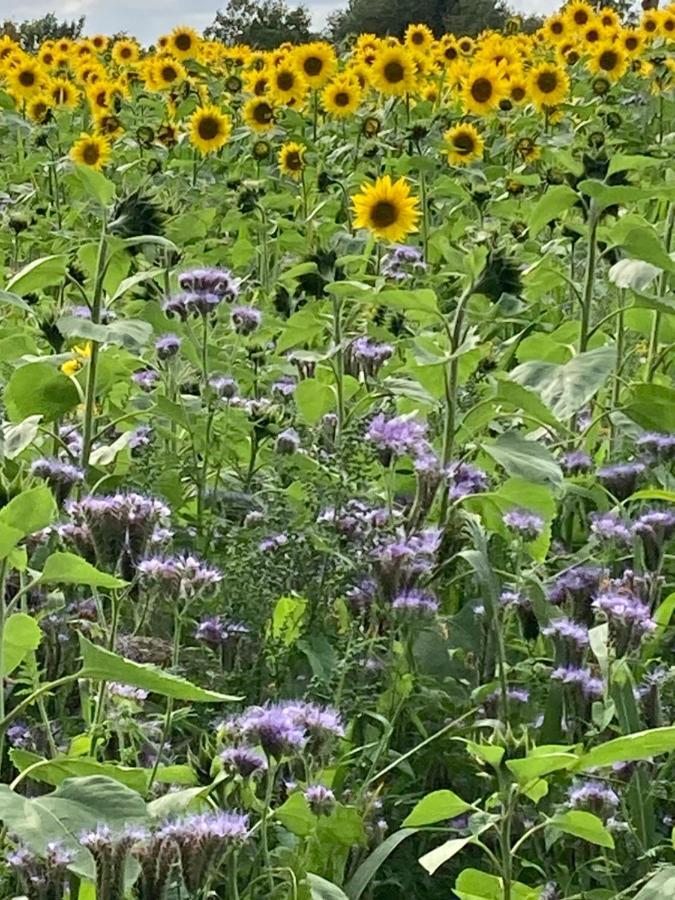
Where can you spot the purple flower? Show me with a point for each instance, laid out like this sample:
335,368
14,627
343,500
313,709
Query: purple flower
60,476
402,263
366,357
211,631
80,312
273,729
20,736
623,607
526,525
245,319
568,630
577,585
224,386
361,596
127,692
287,442
584,679
621,479
660,447
244,760
608,527
219,282
575,462
397,436
594,797
514,695
321,800
415,605
72,438
465,479
167,346
654,528
146,379
285,386
183,576
141,437
273,542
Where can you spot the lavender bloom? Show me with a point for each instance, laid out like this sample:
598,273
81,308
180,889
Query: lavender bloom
584,679
366,357
415,605
274,729
594,797
465,479
42,877
146,380
397,436
273,542
211,631
575,462
321,799
629,618
287,442
219,282
621,479
80,312
183,576
60,476
608,527
141,437
110,851
20,736
402,263
167,346
398,563
202,840
285,386
244,761
156,855
72,438
654,528
127,692
224,386
577,585
526,525
492,703
660,447
245,319
569,631
361,596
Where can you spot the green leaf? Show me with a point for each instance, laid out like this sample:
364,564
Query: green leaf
660,887
551,206
179,802
566,388
584,825
633,273
21,636
652,406
18,437
313,399
95,184
606,195
287,618
644,244
68,568
296,816
14,300
368,869
488,753
527,400
30,510
39,389
473,884
40,273
435,858
525,459
324,890
435,807
103,665
533,767
421,304
343,827
9,538
56,771
640,745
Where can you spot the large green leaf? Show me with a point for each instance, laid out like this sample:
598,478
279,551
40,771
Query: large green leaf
436,807
652,406
584,825
68,568
551,206
565,389
287,619
295,815
525,459
473,884
368,869
640,745
30,510
313,399
103,665
435,858
38,274
21,636
533,767
660,887
39,389
324,890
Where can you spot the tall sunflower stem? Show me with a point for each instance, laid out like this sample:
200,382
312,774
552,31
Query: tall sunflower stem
90,392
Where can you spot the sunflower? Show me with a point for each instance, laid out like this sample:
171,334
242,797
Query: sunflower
517,87
548,85
579,14
47,57
317,63
591,34
466,45
463,144
632,41
649,24
286,84
609,18
63,93
108,125
39,108
527,150
166,72
258,114
256,83
125,52
387,209
209,129
342,97
100,42
26,79
419,38
448,50
667,24
91,150
609,60
483,88
393,71
292,159
556,29
183,42
82,354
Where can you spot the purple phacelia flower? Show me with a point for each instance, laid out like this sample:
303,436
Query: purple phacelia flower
224,386
141,437
146,379
245,319
621,479
244,761
219,282
568,630
594,797
167,345
364,356
415,605
584,679
180,576
284,386
320,799
526,525
465,479
660,447
608,527
397,436
287,442
273,542
575,462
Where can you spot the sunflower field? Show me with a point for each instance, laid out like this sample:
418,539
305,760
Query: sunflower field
337,524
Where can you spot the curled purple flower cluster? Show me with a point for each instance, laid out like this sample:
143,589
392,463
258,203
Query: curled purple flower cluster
183,576
365,357
398,436
589,685
285,729
204,290
528,526
595,797
465,479
402,263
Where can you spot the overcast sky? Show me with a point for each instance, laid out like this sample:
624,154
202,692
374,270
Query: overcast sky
149,18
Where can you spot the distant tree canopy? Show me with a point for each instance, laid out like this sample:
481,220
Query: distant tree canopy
393,16
32,32
264,24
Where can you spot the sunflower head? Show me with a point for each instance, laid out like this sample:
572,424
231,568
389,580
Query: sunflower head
387,209
609,61
393,71
258,114
292,159
39,108
316,62
483,88
261,150
125,52
210,129
548,85
342,97
184,42
92,150
463,144
419,37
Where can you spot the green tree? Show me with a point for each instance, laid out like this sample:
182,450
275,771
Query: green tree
264,24
32,32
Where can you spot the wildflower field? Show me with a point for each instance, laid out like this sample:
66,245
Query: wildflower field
336,494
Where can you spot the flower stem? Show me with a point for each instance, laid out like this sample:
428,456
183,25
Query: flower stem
90,394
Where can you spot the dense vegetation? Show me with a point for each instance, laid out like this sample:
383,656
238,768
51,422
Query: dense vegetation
336,486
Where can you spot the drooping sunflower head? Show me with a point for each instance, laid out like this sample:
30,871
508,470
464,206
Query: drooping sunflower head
393,71
292,159
527,150
463,144
548,85
342,97
109,125
184,42
419,37
316,62
609,60
91,150
483,88
210,129
387,209
258,114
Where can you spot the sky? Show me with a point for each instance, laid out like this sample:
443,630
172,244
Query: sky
149,18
